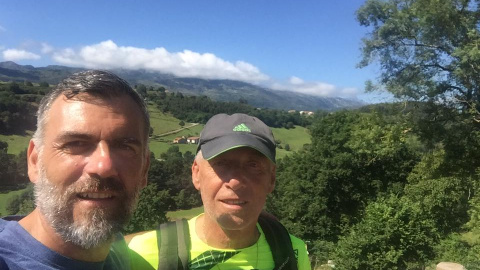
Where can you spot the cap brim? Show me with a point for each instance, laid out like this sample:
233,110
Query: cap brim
221,145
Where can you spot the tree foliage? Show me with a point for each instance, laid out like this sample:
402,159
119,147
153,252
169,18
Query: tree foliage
200,109
354,158
151,210
427,49
13,169
169,188
17,109
393,234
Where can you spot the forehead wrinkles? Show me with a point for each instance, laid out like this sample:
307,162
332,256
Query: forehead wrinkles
74,112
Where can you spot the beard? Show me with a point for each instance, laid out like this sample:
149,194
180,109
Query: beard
89,228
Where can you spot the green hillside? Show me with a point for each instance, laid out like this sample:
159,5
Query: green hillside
164,123
5,198
16,143
296,138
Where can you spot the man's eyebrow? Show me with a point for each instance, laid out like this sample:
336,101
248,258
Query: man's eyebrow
129,140
68,135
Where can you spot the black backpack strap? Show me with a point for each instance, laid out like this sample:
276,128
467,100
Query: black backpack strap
173,240
279,241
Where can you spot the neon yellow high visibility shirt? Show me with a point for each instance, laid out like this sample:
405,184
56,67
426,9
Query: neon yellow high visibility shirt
144,253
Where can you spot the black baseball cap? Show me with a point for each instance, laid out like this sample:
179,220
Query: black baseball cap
225,132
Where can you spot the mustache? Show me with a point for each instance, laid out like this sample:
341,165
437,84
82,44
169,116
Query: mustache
97,184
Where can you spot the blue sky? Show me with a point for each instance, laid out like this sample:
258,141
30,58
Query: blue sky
305,46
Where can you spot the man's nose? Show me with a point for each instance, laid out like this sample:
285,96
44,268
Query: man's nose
101,161
236,178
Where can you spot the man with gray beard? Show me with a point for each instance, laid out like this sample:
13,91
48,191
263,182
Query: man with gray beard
88,160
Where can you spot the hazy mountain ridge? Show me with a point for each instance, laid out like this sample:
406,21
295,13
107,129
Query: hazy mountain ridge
221,90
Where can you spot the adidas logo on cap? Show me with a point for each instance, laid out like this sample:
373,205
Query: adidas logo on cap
242,127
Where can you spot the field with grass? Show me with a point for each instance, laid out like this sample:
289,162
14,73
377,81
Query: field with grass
173,215
5,199
16,143
295,138
166,128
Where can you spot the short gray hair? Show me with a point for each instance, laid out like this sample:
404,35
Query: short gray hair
95,83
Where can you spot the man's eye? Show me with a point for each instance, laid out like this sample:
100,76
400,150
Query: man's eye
75,146
124,146
253,164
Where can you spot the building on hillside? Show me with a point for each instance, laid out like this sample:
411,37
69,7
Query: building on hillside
309,113
180,140
193,140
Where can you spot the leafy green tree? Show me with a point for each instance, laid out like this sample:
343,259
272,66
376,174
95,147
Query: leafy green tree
23,203
428,49
456,248
393,234
7,167
443,194
142,90
151,209
43,84
354,158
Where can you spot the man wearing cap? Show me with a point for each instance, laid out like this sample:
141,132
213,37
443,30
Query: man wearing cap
234,171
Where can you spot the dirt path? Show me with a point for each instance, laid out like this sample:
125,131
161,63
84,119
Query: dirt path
177,130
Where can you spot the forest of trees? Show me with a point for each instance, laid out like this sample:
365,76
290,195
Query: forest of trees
17,115
198,109
386,186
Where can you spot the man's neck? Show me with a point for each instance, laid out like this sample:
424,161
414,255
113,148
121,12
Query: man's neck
215,236
36,224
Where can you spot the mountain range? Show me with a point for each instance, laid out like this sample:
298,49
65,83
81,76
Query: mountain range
219,90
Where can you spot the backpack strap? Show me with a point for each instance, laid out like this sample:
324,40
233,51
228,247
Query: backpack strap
173,240
279,241
183,237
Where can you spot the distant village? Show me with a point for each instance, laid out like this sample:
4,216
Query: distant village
194,140
302,112
186,140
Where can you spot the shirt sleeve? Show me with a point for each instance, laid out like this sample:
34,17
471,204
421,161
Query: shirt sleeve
300,249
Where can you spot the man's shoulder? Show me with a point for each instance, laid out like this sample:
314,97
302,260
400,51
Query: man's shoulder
142,242
143,235
297,242
7,227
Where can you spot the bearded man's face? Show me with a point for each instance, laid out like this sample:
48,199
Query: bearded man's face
89,168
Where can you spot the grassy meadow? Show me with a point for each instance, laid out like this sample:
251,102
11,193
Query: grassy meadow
166,128
174,215
16,143
295,138
5,199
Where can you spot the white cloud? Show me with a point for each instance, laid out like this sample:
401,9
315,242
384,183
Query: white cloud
15,55
295,80
45,48
3,29
322,89
187,63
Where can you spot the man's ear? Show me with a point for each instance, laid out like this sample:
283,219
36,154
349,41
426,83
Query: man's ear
196,174
32,162
273,178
